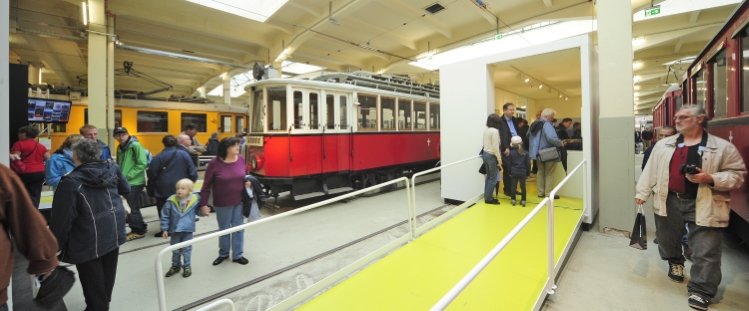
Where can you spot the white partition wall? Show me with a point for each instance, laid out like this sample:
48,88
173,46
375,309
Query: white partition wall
467,98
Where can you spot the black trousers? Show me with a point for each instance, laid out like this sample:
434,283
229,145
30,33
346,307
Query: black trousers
160,205
97,280
506,175
33,183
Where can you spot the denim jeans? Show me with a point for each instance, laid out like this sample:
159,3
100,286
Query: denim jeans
545,177
492,173
706,244
184,252
514,180
228,217
4,307
135,219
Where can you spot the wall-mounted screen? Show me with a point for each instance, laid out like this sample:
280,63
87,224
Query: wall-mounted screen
49,110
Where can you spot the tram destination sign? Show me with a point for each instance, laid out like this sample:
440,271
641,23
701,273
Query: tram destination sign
652,12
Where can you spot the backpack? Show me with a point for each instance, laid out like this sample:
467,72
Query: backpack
149,156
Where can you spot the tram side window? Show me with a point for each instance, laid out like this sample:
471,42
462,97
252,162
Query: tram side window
701,87
745,73
330,109
387,113
277,108
199,119
420,115
240,125
258,113
153,121
434,116
298,110
313,112
226,124
719,85
404,114
344,112
685,91
117,117
367,115
677,103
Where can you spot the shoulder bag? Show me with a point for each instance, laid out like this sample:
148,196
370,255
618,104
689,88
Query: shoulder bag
151,183
18,166
547,154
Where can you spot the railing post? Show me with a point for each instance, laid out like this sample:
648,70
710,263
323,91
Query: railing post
550,287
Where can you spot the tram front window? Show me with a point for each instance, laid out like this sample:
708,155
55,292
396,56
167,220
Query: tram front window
719,85
277,109
258,115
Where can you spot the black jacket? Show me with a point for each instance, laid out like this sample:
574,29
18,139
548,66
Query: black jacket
257,190
520,164
88,218
212,147
505,134
179,166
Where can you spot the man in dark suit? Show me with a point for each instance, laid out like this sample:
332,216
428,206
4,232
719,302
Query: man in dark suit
508,128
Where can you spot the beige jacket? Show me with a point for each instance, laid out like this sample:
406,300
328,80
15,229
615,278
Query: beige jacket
721,160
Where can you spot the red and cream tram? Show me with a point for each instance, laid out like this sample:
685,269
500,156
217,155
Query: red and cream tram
718,80
340,131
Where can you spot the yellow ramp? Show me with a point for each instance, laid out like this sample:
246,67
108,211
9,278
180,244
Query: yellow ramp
418,274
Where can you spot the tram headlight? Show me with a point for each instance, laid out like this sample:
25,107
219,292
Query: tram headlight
256,162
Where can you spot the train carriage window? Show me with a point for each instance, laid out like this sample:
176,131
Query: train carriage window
277,108
240,125
330,109
404,114
117,117
258,113
199,119
685,91
298,110
434,116
387,112
153,121
343,103
226,124
745,72
420,115
313,112
367,115
719,100
677,103
701,89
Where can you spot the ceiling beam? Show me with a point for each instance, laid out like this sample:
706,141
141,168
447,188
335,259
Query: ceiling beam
481,11
678,45
309,8
547,3
659,38
50,59
426,18
411,45
693,17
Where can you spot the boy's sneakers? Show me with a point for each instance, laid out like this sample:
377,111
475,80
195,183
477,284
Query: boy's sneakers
522,202
513,202
187,272
697,302
134,236
174,270
676,272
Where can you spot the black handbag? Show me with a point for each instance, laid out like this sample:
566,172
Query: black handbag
151,183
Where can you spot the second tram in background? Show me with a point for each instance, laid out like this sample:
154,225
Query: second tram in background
338,131
718,80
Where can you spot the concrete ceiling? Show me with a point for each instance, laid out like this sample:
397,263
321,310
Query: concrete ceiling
389,34
559,71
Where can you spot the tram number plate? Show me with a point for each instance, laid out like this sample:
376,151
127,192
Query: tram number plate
255,140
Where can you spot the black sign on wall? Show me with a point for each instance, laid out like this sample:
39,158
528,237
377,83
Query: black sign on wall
18,93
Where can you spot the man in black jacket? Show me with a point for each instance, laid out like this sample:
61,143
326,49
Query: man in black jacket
507,129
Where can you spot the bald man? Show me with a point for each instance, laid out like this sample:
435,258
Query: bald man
184,144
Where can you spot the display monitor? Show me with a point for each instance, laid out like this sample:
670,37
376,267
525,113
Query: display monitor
49,110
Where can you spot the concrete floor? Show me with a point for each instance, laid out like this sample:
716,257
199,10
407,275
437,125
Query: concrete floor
604,273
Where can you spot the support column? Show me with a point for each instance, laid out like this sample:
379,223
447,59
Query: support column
110,86
227,88
35,74
97,65
4,98
616,123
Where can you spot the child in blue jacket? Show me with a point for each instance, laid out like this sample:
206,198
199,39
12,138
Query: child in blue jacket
178,221
520,168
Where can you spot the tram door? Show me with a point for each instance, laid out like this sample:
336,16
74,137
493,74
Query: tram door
330,131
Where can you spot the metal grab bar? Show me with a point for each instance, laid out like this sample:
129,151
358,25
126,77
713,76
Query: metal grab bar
455,291
160,269
217,303
413,183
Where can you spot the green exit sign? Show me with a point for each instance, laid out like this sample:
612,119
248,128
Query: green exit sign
497,37
652,12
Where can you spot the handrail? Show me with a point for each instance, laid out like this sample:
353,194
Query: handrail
458,288
550,286
413,182
160,269
217,303
455,291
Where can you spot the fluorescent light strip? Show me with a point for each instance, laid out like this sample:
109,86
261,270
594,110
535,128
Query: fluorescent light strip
85,14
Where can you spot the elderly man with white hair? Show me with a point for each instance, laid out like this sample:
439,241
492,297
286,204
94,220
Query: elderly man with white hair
543,135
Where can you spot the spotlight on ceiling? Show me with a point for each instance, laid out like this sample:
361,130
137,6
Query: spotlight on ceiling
527,79
540,86
566,98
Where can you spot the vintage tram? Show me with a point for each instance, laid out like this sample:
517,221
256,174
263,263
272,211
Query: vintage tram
335,132
718,80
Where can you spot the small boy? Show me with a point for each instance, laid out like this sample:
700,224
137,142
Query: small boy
253,198
178,221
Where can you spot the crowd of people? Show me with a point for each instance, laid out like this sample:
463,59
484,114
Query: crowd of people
96,198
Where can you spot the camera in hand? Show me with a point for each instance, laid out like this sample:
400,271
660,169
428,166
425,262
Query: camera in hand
689,169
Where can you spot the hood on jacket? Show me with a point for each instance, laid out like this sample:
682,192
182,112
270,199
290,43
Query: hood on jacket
537,125
98,174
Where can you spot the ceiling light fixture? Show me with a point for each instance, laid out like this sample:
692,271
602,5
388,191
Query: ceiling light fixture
637,64
530,80
540,86
527,79
638,41
637,87
566,98
85,13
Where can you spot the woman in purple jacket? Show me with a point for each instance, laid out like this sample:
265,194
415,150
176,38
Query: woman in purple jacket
224,175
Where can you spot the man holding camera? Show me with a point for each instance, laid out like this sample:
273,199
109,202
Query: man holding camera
691,175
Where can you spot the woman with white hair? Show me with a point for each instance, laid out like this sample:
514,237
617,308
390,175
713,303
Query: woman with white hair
542,135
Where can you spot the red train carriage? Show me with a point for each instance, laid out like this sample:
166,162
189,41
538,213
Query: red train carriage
340,131
665,107
718,80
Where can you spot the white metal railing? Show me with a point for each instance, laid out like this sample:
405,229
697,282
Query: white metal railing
160,269
550,287
413,183
217,303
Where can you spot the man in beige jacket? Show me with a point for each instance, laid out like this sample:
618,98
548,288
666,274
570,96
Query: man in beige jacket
691,175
